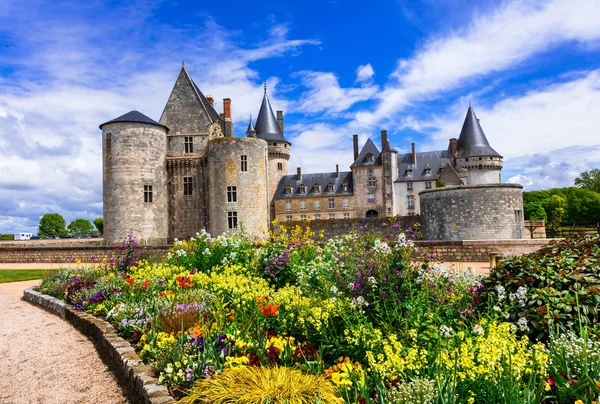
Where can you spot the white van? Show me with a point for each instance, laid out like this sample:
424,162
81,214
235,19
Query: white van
23,236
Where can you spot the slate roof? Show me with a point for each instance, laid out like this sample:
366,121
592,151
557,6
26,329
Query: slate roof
389,148
368,148
434,160
309,180
266,123
214,115
135,117
250,127
472,140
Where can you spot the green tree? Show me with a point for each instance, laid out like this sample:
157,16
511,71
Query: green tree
589,179
52,225
99,223
80,227
534,211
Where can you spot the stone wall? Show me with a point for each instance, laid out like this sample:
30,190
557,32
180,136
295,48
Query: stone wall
381,226
477,250
475,212
63,253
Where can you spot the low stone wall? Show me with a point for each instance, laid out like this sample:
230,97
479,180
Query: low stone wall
335,228
137,378
30,253
478,250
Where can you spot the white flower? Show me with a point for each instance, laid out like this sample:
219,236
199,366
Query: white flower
501,292
497,308
446,331
181,253
522,323
372,281
333,290
206,251
478,330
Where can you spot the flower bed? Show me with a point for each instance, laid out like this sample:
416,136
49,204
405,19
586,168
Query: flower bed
352,319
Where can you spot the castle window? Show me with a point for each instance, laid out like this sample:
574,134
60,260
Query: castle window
346,204
232,220
345,187
331,203
317,205
288,190
369,158
188,144
428,185
409,186
371,182
244,163
302,217
330,187
108,141
232,194
518,216
346,215
371,197
302,189
317,217
288,218
274,144
410,200
408,172
316,189
280,166
331,216
288,206
428,171
187,186
148,193
302,205
370,171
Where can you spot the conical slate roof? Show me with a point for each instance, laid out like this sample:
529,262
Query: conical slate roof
250,127
472,141
266,123
135,117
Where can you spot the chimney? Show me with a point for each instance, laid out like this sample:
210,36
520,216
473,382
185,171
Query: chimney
211,100
383,139
452,147
414,154
298,173
280,121
337,171
227,117
355,140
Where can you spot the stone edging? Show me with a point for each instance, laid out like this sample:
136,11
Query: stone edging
137,378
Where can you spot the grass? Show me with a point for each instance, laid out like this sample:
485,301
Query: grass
18,275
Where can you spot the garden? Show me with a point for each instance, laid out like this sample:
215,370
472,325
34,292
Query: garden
354,319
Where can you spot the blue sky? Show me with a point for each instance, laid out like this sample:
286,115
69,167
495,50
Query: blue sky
530,68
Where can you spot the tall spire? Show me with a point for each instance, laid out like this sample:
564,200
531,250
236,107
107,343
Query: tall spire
472,141
266,123
250,132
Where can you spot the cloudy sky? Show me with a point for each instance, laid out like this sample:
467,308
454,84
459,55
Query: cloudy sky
530,68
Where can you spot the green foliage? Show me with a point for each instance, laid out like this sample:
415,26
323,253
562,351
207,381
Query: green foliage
99,223
80,227
534,211
589,179
546,288
7,236
52,225
566,205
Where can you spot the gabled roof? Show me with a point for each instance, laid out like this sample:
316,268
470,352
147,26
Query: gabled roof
267,127
436,161
472,140
389,148
309,180
214,115
368,148
135,117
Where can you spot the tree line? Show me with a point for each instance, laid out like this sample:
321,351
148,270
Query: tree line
54,225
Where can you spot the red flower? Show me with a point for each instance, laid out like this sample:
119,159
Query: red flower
269,309
130,281
146,283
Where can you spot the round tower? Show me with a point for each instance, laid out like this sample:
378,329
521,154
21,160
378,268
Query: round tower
134,149
270,129
475,155
238,178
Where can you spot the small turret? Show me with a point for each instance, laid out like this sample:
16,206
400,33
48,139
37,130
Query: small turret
251,132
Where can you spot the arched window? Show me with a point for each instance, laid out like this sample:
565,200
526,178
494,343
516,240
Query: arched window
372,213
369,158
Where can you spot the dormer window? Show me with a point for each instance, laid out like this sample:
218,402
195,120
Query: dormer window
345,187
302,189
369,158
408,172
317,189
427,171
288,190
330,187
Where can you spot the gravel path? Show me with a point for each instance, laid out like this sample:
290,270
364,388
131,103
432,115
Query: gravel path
44,360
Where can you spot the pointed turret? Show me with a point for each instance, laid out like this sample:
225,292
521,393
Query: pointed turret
472,141
251,132
267,127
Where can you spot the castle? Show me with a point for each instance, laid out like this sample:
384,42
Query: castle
168,179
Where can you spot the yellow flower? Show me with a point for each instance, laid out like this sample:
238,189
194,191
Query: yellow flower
578,402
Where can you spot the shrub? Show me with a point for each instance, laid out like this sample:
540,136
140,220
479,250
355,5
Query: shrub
544,292
262,385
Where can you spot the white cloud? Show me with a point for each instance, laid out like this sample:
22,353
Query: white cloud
364,73
494,42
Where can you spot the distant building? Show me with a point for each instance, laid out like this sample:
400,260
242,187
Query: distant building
23,236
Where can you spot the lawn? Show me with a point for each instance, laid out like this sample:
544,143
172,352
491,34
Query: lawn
18,275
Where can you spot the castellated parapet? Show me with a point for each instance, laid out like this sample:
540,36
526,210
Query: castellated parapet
134,158
241,163
476,212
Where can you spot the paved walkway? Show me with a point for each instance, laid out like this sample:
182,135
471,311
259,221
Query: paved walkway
45,360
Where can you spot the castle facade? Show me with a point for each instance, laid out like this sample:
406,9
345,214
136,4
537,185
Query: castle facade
168,179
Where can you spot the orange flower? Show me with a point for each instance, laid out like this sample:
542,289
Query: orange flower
269,309
261,298
130,281
146,283
197,331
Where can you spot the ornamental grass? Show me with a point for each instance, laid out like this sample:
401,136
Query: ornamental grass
263,385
